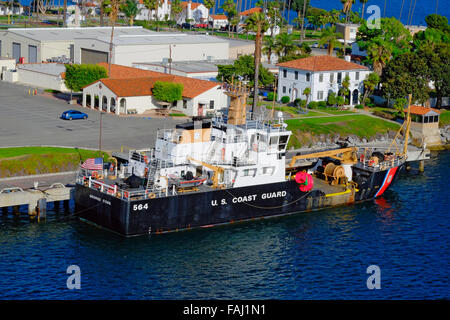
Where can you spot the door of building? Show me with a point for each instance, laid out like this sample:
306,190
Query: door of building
16,51
32,54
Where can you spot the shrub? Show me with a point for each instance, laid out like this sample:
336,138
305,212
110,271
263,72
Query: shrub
285,99
322,104
331,101
359,106
80,75
313,105
270,96
297,102
167,91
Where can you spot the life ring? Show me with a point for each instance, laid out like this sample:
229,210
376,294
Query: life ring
125,194
361,158
150,195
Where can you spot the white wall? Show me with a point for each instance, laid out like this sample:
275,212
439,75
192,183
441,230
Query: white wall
41,80
126,55
217,95
290,83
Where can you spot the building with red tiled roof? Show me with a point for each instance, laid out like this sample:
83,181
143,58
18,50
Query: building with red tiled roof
323,75
425,124
251,11
218,21
131,90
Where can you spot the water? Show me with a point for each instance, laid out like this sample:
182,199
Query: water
320,255
393,8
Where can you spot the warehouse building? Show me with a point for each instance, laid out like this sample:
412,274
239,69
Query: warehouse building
31,45
150,47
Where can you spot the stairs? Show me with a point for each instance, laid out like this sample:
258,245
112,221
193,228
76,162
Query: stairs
154,163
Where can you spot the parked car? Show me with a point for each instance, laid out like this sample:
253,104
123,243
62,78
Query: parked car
187,26
201,25
73,114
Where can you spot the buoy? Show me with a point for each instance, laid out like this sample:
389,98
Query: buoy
304,180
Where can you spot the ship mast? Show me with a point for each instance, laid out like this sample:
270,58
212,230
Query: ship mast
406,125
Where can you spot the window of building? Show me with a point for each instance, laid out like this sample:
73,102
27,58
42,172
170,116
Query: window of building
267,170
308,77
425,118
331,77
211,104
357,75
339,77
296,75
347,74
319,95
436,118
321,77
284,89
284,73
184,104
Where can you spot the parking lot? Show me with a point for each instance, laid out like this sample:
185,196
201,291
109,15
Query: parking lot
34,120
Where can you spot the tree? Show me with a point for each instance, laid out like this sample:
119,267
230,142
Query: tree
347,7
307,92
274,16
79,75
244,67
167,91
301,7
315,16
370,83
379,53
152,5
400,104
363,7
345,85
330,37
406,74
130,9
229,8
436,21
209,4
175,9
270,45
257,22
285,44
437,59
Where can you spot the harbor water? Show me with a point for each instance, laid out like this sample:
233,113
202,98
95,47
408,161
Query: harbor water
316,255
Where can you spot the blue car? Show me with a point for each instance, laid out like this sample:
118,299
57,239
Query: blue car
73,114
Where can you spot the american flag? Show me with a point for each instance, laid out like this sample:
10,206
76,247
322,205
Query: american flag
93,164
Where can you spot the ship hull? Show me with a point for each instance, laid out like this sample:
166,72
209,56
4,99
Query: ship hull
217,207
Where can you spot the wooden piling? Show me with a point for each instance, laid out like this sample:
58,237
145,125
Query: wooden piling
421,165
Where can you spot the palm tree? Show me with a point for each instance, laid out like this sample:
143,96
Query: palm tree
330,37
379,52
285,44
347,7
229,8
307,92
364,4
209,4
130,9
270,45
114,10
258,23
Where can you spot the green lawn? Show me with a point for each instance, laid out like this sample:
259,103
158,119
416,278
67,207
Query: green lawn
38,160
360,125
444,118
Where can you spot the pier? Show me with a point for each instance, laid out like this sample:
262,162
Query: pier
35,192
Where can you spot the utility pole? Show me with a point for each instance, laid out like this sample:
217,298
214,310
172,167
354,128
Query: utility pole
100,133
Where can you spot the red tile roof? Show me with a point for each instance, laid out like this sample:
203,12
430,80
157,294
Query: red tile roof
422,110
184,4
250,11
127,81
321,63
218,16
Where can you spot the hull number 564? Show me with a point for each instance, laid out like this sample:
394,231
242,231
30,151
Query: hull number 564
138,207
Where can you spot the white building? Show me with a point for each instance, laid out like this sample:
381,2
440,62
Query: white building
217,21
196,12
161,13
243,16
131,90
50,44
323,75
6,8
150,48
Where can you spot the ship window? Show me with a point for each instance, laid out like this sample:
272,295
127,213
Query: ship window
248,172
267,170
274,140
283,142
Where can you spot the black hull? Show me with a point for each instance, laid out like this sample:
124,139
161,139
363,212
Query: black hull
204,209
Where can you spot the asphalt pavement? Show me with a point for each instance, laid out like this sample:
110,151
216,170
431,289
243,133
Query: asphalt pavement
34,120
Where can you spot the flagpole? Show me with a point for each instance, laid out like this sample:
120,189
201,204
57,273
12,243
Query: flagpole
100,135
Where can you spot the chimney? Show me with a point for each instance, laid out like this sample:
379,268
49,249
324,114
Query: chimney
347,58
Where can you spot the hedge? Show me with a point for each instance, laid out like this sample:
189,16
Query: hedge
167,91
285,99
80,75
